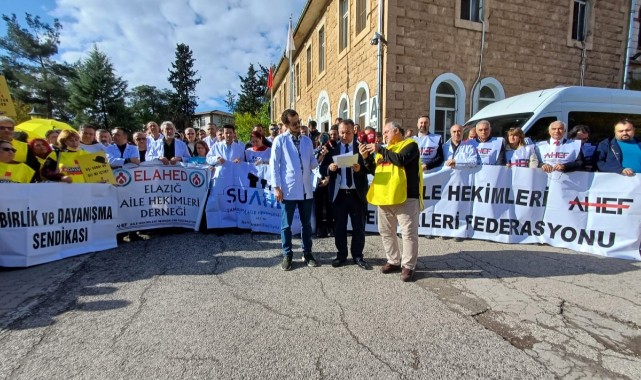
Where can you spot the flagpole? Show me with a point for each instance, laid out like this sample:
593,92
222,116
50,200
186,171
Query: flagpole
291,71
271,97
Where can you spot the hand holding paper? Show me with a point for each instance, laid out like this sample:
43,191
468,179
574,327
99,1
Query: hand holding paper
346,160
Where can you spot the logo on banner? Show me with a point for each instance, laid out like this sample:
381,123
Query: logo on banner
601,205
196,179
123,178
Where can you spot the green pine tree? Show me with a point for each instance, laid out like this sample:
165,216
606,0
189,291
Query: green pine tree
98,95
183,79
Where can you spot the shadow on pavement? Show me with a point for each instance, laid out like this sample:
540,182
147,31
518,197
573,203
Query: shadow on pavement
519,263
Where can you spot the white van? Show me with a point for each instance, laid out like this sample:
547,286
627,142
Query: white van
598,108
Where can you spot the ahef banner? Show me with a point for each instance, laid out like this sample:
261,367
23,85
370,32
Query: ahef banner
51,221
587,212
241,197
161,196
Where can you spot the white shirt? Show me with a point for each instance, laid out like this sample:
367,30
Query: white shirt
151,140
291,170
93,148
157,150
116,158
228,152
210,141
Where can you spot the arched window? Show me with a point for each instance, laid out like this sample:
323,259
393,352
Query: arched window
343,107
490,91
323,114
447,99
361,105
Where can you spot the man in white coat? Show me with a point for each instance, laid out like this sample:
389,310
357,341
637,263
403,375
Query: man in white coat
168,150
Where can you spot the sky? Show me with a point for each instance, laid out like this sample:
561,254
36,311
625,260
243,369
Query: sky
140,36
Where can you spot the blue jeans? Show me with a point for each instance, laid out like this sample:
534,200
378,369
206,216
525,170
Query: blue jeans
286,218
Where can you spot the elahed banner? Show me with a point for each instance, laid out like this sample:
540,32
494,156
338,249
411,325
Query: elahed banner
45,222
161,196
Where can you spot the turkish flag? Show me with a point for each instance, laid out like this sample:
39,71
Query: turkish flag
270,78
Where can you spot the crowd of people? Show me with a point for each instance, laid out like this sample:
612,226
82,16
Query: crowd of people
305,173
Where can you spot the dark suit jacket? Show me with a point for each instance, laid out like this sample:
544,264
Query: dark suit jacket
360,178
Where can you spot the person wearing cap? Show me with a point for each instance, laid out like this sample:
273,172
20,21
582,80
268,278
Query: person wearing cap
558,153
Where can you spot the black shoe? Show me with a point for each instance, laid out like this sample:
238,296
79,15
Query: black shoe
330,232
310,260
362,263
458,240
286,264
321,232
337,263
430,237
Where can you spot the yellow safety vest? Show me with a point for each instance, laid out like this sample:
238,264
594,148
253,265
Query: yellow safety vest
69,166
21,150
389,186
16,173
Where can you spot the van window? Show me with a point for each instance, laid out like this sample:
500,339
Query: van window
602,123
501,124
539,130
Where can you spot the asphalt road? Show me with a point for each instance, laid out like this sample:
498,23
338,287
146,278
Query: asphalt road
192,305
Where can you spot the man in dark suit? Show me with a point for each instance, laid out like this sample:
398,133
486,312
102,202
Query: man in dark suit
348,195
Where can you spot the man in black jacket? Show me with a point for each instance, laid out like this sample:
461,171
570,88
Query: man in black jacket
348,194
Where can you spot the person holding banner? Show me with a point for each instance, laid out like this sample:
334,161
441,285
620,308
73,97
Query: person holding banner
429,144
457,153
621,154
62,165
120,152
190,135
258,153
397,190
559,153
11,171
227,150
348,195
88,141
582,133
517,152
490,150
292,161
140,139
168,150
153,133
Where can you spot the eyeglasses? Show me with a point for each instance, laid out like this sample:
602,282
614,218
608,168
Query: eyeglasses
9,150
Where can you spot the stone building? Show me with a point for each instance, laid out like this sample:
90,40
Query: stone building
445,58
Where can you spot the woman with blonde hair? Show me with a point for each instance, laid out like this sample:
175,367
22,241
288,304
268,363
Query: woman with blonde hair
61,164
517,152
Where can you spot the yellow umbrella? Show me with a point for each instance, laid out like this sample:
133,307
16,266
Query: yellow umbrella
36,128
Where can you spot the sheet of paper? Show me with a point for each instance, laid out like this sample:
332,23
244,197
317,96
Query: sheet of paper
345,160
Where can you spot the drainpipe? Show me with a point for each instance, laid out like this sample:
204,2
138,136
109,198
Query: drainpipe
633,6
379,68
584,49
478,77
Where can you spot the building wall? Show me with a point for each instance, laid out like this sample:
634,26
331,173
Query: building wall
527,48
345,72
202,119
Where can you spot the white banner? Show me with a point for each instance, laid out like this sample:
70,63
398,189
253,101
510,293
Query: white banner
51,221
586,212
240,196
161,196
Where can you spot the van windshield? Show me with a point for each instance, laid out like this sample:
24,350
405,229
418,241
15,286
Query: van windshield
501,124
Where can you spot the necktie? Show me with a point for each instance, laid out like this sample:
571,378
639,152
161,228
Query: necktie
557,143
348,170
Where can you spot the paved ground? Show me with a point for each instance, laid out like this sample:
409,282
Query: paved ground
208,306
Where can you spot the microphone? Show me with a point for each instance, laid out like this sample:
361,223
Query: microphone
366,137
